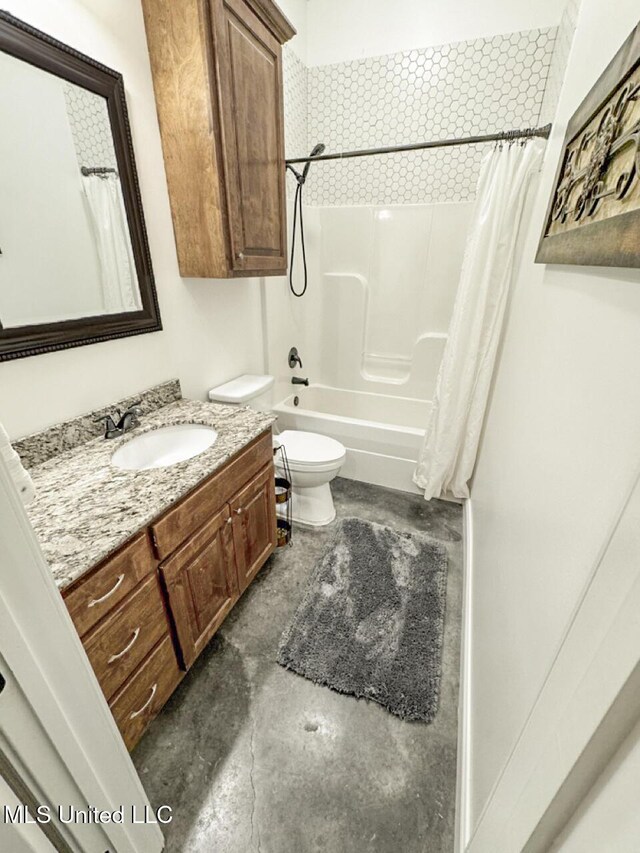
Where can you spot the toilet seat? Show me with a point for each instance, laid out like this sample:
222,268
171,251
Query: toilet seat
309,451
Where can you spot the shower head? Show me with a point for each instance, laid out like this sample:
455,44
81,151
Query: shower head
315,152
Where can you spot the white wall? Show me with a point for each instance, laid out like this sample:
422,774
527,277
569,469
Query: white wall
212,329
296,11
561,445
340,30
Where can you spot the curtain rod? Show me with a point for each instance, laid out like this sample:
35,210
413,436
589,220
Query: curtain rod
505,136
97,170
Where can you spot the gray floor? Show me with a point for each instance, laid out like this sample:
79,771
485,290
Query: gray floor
254,758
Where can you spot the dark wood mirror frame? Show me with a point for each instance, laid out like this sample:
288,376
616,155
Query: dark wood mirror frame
37,48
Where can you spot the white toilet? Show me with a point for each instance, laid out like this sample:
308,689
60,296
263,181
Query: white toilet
314,459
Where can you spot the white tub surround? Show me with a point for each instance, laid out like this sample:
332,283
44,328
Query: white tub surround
382,434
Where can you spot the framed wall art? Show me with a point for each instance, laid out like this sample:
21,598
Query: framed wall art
594,212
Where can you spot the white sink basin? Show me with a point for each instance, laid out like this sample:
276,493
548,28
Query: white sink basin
163,447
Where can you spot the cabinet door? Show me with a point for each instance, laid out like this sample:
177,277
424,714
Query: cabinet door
249,71
201,584
254,525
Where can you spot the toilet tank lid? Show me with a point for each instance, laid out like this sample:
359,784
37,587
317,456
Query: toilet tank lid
241,389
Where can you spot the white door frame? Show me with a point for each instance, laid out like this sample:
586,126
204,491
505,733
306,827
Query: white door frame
54,720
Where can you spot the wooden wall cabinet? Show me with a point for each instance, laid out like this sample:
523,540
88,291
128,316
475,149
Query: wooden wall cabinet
217,72
145,614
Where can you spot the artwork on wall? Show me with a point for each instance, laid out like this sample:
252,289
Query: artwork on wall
594,212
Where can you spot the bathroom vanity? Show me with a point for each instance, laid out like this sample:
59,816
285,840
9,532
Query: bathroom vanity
196,534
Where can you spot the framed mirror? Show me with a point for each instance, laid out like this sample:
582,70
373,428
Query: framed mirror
75,267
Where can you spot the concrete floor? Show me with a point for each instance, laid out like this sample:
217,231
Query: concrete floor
255,758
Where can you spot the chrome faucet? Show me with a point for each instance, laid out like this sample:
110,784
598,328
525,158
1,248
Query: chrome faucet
127,420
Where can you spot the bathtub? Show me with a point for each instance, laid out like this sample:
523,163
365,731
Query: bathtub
382,434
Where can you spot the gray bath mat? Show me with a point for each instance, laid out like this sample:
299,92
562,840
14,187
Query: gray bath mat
372,618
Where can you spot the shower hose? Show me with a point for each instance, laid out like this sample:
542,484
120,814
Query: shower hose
297,213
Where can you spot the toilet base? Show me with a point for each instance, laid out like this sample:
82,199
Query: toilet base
312,506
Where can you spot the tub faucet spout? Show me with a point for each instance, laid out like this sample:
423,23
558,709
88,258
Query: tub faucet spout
296,380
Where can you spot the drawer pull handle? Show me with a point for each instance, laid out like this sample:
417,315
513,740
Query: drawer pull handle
229,520
127,648
146,704
239,511
104,597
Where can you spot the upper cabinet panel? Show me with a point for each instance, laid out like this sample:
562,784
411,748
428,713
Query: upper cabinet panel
253,138
217,68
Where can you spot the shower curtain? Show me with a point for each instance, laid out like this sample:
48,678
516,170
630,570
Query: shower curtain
451,441
109,220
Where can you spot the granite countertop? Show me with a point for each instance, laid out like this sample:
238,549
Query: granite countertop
85,508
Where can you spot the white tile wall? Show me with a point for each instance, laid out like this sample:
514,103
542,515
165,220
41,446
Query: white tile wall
457,89
559,60
296,134
90,127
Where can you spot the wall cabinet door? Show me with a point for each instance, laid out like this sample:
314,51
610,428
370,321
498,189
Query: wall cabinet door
254,525
249,65
217,73
201,584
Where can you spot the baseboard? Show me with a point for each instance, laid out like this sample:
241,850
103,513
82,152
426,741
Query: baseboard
462,834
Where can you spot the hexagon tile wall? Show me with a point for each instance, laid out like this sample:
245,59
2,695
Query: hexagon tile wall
459,89
561,48
296,84
90,127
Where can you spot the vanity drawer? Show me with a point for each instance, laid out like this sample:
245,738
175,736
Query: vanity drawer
203,503
143,696
120,643
107,585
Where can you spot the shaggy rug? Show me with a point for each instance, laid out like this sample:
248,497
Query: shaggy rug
371,621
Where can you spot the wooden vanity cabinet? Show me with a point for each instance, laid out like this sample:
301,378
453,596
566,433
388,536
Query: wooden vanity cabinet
201,585
209,573
254,526
217,72
145,613
120,614
109,583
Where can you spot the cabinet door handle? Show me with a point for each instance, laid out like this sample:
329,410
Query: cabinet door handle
229,520
240,256
239,511
146,704
127,648
104,597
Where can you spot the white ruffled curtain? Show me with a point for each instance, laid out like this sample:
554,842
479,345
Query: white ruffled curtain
109,219
453,432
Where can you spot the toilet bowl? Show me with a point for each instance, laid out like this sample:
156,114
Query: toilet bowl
314,459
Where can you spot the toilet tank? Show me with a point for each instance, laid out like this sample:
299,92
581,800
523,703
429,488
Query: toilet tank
247,390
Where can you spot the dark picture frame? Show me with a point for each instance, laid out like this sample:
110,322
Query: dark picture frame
593,216
42,51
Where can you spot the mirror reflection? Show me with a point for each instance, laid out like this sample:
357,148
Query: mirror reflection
64,237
